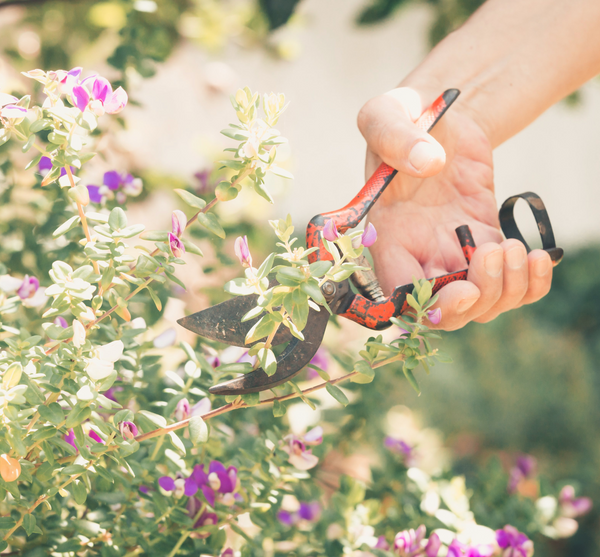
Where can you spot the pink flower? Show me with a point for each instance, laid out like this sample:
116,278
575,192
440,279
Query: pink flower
182,411
299,456
116,102
435,316
61,322
81,97
572,506
70,438
178,222
330,231
128,430
242,251
513,542
95,436
28,288
369,236
176,245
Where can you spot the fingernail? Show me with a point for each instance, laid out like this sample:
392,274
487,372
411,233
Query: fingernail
515,258
494,262
421,155
465,304
542,266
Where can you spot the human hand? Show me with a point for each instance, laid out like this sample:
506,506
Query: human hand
436,190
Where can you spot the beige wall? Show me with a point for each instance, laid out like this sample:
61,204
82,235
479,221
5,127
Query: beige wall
341,67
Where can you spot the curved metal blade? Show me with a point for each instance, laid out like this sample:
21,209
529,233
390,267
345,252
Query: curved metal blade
295,356
223,322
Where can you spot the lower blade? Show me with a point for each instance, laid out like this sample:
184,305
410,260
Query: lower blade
291,361
223,322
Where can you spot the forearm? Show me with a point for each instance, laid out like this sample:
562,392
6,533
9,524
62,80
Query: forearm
513,59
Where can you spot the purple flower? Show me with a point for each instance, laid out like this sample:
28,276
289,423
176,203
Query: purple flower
101,89
286,518
178,222
408,542
128,430
219,484
205,519
95,436
572,506
435,316
13,112
369,236
242,251
81,97
398,446
94,193
403,332
70,438
203,178
320,360
299,456
382,544
61,322
112,179
513,542
524,468
457,549
330,231
45,165
176,245
28,288
309,511
203,406
227,553
167,483
433,545
144,489
182,411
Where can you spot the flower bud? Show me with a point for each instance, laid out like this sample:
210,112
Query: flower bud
182,411
10,469
128,430
12,376
242,251
435,316
178,222
330,231
369,236
176,245
80,194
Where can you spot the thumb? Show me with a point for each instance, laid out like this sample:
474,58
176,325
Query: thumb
388,124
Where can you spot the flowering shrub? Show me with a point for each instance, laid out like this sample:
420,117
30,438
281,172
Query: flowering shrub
109,442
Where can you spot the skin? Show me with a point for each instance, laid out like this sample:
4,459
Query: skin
512,60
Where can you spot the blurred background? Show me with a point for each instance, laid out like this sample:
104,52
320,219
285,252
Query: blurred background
527,383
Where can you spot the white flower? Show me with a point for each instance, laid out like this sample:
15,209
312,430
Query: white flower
78,334
103,363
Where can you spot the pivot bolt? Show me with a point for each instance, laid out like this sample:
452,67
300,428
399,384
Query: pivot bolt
328,288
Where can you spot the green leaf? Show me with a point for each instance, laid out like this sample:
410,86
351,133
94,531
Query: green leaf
124,415
191,199
254,312
192,248
117,219
290,276
261,329
322,373
28,523
266,266
79,491
211,223
177,442
312,289
268,361
66,226
155,298
365,371
155,236
77,415
236,367
411,379
4,136
6,522
40,125
198,430
337,393
412,302
319,268
424,293
157,420
278,409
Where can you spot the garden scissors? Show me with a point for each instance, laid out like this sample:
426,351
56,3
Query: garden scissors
368,307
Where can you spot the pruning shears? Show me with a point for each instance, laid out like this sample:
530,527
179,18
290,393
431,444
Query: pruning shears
365,304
